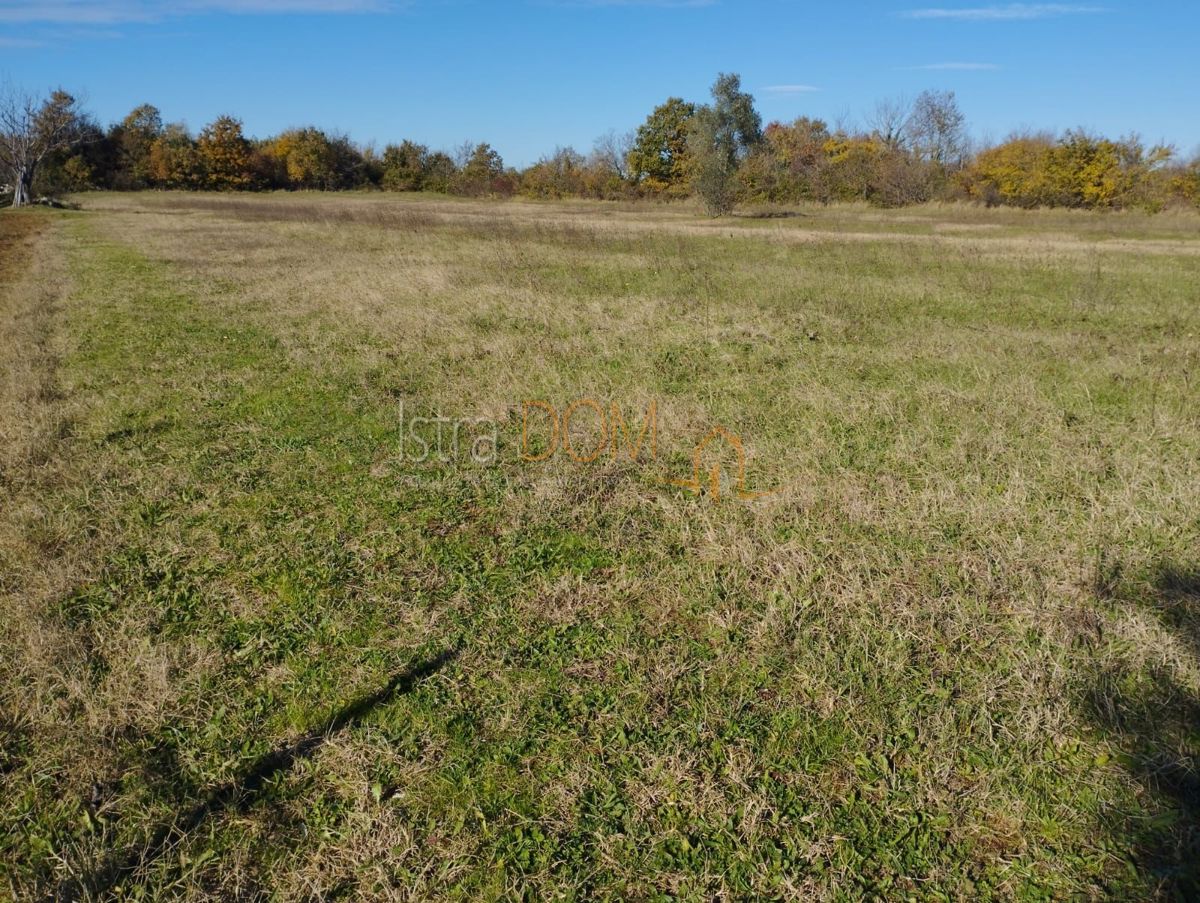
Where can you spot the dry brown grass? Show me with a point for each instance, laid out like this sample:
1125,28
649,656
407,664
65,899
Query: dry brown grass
1005,232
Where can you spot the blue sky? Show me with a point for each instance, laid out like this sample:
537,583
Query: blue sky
529,75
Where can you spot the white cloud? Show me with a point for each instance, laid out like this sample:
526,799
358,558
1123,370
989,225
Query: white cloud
790,89
961,67
1010,12
108,12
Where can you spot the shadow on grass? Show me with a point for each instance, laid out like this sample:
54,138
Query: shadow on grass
239,795
1155,720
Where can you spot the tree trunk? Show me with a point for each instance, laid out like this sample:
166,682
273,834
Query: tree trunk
21,191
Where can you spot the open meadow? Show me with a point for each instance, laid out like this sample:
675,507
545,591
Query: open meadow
922,621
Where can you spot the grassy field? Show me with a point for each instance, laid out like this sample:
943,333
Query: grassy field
253,646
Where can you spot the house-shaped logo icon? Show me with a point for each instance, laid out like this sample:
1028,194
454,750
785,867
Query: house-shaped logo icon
724,439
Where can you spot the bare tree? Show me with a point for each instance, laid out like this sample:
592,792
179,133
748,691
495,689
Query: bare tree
937,129
889,122
611,152
32,130
843,122
462,154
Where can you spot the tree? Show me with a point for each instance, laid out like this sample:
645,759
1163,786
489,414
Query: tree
311,159
439,172
1185,182
1077,170
606,171
174,159
224,154
936,129
889,122
659,158
483,173
853,166
348,165
898,178
720,137
30,132
714,172
1013,172
610,153
404,166
792,163
78,167
304,156
557,176
1084,170
134,137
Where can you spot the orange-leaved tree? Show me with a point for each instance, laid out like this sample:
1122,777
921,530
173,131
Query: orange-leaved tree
225,155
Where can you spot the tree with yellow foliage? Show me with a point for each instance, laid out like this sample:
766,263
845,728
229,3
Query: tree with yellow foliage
1014,172
174,161
224,155
311,159
1078,170
1185,183
852,163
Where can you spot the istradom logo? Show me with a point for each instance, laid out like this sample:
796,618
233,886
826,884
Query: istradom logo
585,431
696,483
613,435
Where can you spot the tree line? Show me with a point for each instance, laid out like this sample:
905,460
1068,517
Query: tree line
908,151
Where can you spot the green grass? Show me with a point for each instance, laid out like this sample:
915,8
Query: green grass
249,651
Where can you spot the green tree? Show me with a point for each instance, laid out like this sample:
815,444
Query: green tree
80,167
720,136
482,174
133,137
659,158
439,172
404,166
